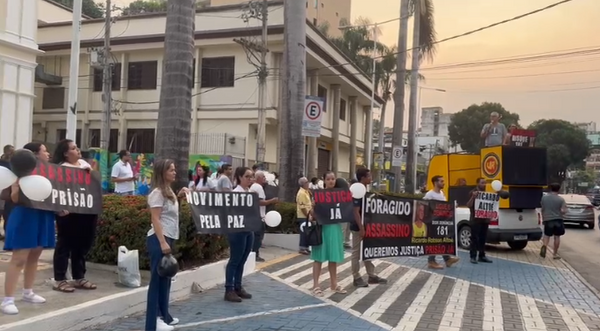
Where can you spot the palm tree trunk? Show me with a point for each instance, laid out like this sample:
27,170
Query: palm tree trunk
380,174
174,113
291,156
399,91
411,155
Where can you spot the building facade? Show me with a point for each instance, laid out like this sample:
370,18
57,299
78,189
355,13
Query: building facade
434,122
588,127
225,98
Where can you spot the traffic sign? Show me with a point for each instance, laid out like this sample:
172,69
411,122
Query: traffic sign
313,110
397,156
313,114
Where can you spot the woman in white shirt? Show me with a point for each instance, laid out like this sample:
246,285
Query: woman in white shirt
75,233
164,214
203,181
240,246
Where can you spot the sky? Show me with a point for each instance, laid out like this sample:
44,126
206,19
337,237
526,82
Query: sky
571,96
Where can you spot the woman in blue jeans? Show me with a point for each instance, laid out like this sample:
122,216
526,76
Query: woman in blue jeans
164,211
240,246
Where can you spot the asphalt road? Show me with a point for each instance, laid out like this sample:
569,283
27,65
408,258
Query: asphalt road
580,247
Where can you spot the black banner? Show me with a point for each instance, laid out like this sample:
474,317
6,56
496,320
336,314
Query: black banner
333,206
407,227
225,212
75,190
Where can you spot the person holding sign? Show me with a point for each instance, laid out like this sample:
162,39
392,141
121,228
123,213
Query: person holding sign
164,214
332,248
240,246
28,233
479,225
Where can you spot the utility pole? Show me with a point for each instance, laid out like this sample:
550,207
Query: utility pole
74,72
260,11
369,144
106,83
411,154
400,91
291,156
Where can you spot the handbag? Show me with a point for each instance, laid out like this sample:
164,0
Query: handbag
314,234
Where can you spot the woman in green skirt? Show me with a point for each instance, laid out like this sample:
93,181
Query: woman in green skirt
331,250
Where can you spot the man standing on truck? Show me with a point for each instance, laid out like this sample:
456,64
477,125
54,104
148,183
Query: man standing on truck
494,132
437,194
553,209
479,226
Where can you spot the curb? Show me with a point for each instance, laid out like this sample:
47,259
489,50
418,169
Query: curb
581,279
120,305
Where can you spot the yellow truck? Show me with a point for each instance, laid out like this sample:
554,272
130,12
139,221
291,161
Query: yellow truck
523,173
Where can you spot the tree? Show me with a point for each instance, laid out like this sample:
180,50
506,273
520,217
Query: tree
465,127
88,7
142,7
566,144
174,112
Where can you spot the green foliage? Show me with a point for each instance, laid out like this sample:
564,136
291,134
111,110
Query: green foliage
288,213
125,221
143,7
88,7
465,126
567,145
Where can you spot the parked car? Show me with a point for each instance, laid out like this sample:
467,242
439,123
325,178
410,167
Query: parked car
594,196
579,210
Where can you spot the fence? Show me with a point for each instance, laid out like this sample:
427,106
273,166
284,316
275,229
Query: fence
219,144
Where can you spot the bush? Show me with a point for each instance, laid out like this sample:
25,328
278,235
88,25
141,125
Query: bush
125,221
288,214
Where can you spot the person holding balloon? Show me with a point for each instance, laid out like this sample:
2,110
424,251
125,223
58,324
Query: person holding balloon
28,232
75,232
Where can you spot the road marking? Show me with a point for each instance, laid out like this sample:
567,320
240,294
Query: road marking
571,318
353,297
492,310
348,280
532,319
413,314
309,285
387,298
453,315
247,316
276,260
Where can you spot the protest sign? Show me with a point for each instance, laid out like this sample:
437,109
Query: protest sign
333,206
75,190
225,212
486,205
522,138
407,227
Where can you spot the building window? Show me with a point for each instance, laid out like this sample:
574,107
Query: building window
95,137
54,98
116,78
342,109
322,93
140,140
61,134
142,75
193,82
218,71
314,21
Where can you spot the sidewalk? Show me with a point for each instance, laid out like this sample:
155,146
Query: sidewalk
518,292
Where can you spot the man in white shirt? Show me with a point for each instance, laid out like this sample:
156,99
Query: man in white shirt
258,187
437,194
122,175
224,183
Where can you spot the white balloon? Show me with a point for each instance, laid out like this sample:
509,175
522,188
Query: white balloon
358,190
7,178
35,187
497,185
273,218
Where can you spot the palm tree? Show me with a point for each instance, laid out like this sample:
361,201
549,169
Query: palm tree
174,114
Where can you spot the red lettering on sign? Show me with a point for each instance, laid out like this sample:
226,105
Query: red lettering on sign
88,178
382,230
68,174
324,196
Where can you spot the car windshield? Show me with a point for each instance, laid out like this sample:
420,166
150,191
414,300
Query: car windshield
576,199
594,191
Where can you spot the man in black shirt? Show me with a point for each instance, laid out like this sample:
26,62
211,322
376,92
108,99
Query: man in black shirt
479,227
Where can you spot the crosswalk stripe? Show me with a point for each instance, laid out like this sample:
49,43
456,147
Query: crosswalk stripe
572,319
325,276
401,304
532,319
435,310
324,271
387,298
492,310
353,297
347,281
452,318
293,267
510,311
473,315
415,312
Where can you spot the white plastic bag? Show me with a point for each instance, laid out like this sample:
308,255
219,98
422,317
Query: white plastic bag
129,267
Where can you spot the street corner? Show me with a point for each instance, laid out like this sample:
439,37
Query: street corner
274,306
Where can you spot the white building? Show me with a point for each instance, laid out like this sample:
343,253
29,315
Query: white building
434,122
588,127
224,114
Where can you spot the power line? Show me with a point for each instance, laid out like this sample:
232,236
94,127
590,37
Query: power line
518,76
524,91
518,17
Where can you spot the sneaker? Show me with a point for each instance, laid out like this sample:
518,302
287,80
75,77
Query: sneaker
33,298
259,259
451,261
485,260
162,326
9,308
473,260
434,265
243,294
359,282
543,252
304,252
175,321
377,280
231,296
